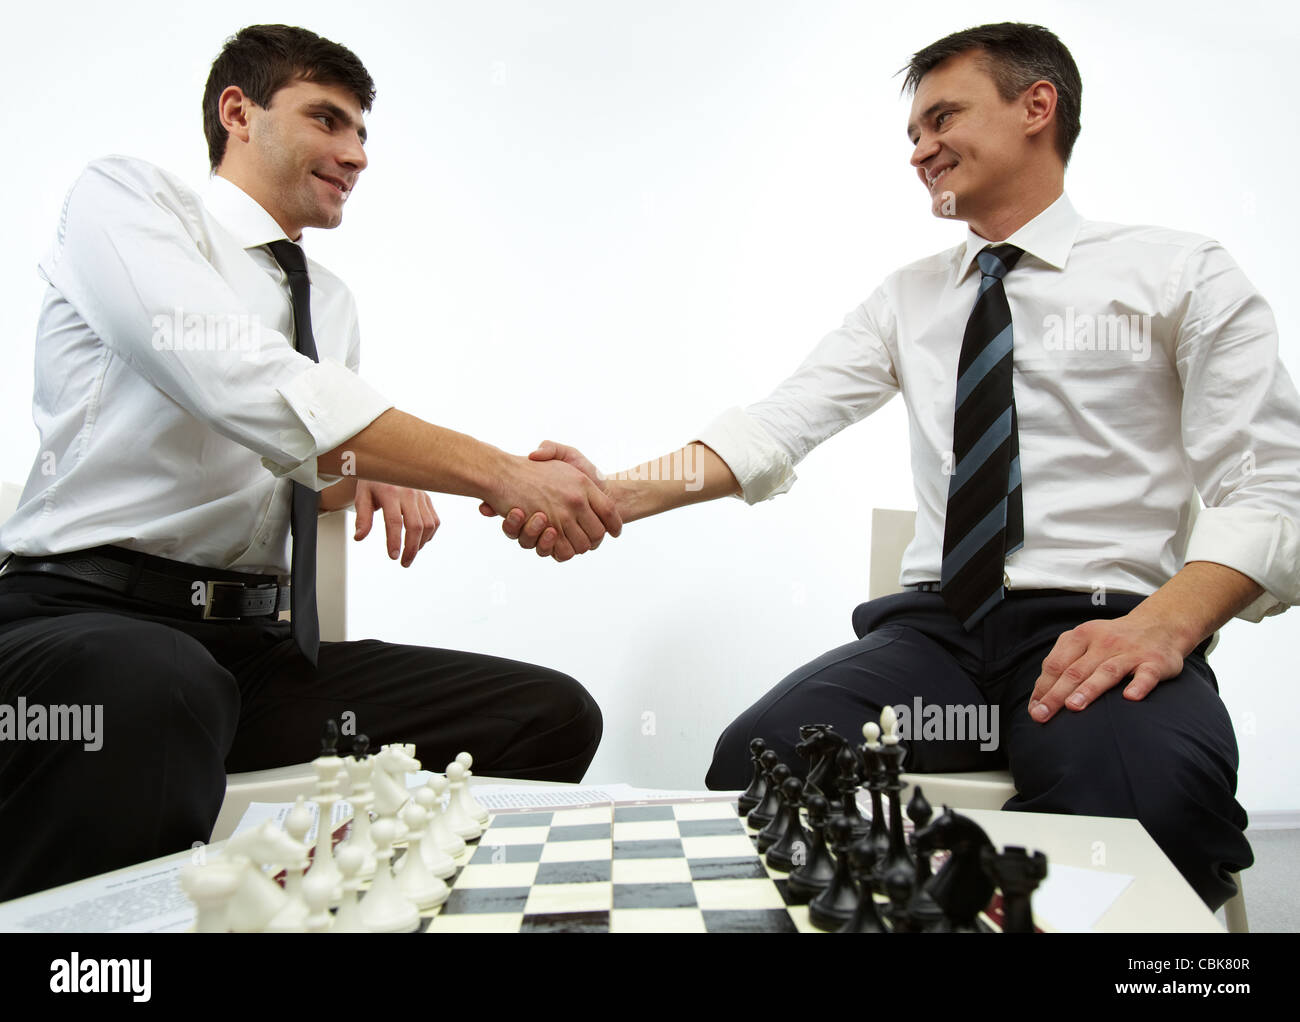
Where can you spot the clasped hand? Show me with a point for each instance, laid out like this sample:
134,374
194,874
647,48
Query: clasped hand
572,535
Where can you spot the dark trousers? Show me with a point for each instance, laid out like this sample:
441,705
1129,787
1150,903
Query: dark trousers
186,701
1169,760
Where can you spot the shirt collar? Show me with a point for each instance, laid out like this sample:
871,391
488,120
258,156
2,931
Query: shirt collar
1049,237
241,214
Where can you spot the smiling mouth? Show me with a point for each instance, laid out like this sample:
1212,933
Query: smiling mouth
932,181
334,183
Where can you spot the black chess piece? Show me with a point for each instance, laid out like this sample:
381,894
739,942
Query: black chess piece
819,744
1018,875
834,906
891,755
847,784
865,917
329,738
810,879
753,795
922,911
898,883
793,842
961,888
776,827
360,746
874,779
763,813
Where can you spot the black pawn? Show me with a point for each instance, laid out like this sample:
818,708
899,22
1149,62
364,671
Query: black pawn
922,912
847,783
775,827
898,882
791,847
762,814
865,918
835,906
329,738
360,747
814,876
753,795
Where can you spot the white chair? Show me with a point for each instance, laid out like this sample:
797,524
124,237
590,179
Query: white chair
891,532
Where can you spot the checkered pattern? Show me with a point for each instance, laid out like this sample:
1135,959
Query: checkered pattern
674,867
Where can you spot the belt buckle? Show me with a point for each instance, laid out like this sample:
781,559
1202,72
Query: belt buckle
207,604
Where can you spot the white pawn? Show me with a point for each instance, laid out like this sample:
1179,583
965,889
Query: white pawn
449,841
385,908
317,891
359,767
210,887
467,801
297,824
439,862
348,919
457,819
414,878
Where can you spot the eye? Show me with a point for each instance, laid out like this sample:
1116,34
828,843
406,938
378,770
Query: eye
938,121
326,120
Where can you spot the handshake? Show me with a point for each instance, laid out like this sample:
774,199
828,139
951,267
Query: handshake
575,509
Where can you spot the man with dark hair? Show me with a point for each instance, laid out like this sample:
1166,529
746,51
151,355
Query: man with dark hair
197,400
1058,551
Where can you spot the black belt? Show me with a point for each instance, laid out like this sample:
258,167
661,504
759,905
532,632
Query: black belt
187,590
924,587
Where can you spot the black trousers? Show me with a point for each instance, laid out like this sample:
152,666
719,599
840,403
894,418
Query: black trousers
184,702
1169,760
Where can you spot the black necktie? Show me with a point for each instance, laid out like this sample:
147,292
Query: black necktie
306,501
985,518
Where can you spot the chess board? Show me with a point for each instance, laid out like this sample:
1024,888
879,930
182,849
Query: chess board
666,867
688,866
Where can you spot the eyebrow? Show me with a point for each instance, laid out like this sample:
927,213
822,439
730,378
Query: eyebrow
929,112
334,110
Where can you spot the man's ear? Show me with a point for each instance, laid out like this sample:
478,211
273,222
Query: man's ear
234,110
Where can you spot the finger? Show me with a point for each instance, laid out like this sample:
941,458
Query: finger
1145,678
563,550
547,450
1104,677
1067,650
513,523
577,535
413,517
532,530
428,518
365,508
546,542
485,509
393,525
606,511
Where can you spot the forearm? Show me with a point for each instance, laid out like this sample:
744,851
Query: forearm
339,496
691,475
400,449
1198,600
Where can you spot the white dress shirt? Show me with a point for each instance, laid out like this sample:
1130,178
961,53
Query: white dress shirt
1146,372
172,407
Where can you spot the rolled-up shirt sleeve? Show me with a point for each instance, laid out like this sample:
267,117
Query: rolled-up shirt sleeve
128,257
848,375
1241,430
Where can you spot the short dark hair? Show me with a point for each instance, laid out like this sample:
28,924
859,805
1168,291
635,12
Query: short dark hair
1015,56
262,59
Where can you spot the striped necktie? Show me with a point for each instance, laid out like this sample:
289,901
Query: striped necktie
304,623
985,517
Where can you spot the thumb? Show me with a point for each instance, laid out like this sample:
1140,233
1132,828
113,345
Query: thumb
547,450
485,509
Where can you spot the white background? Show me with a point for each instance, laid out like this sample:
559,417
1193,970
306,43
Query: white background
604,222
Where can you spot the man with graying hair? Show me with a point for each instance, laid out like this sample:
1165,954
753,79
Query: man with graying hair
1072,387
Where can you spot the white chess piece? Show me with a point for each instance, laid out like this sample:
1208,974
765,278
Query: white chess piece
460,823
415,880
439,862
385,908
348,919
258,898
327,769
210,887
317,891
449,841
388,780
362,798
468,803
